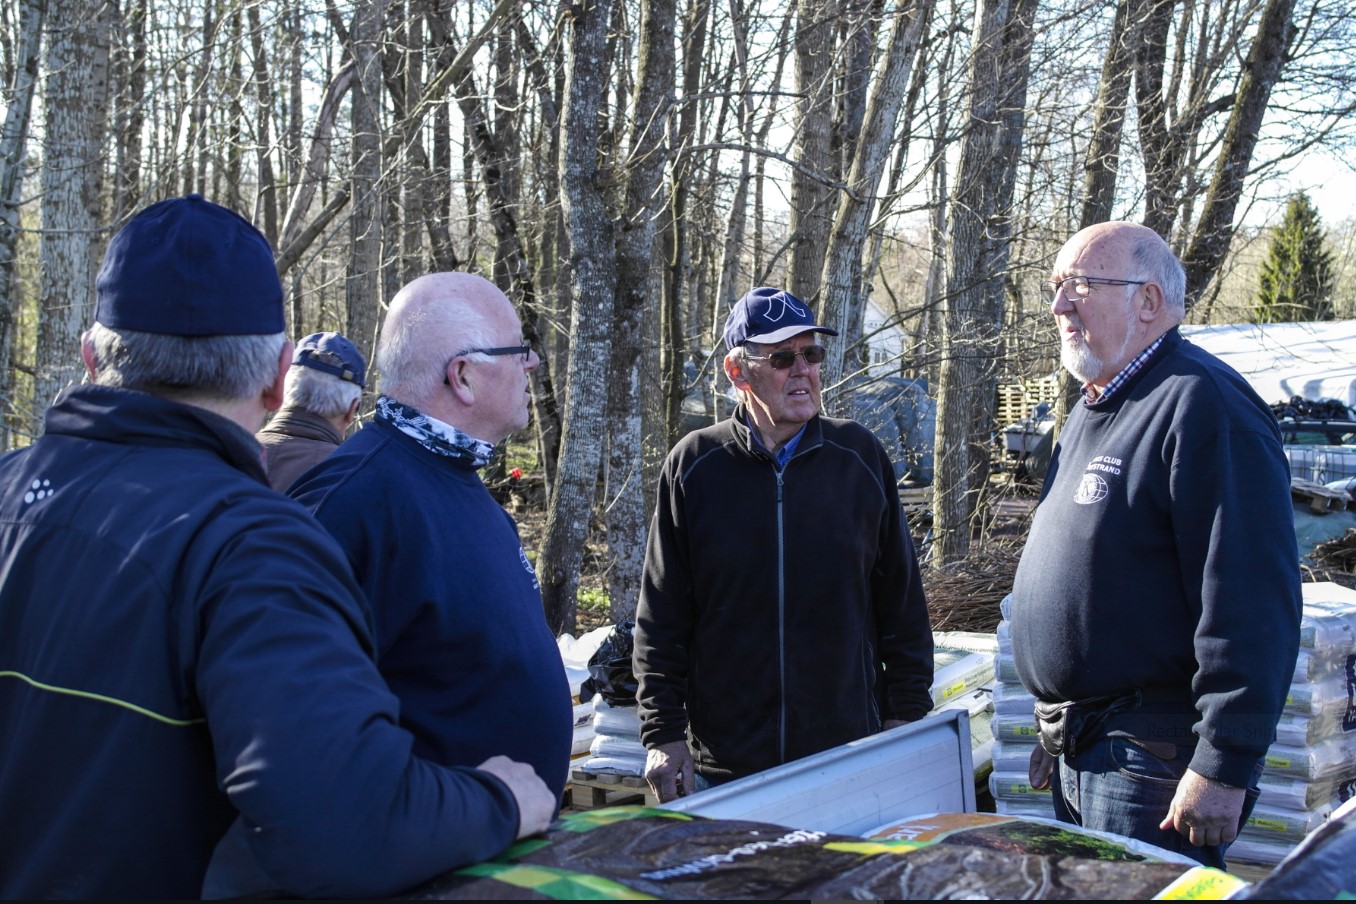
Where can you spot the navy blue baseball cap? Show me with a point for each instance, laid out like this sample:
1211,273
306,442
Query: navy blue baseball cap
188,267
769,315
333,354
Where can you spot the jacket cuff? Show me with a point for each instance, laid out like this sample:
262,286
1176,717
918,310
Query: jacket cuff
1230,767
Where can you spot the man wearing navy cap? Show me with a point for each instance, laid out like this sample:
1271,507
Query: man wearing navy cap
781,611
184,651
321,394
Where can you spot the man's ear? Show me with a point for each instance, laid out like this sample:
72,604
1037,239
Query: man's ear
459,380
87,352
352,414
734,369
1151,305
273,395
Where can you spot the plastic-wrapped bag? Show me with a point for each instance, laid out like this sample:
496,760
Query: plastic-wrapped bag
610,672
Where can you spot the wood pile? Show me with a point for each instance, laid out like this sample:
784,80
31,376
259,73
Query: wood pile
1335,561
965,596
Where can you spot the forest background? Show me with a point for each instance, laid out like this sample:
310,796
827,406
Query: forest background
626,169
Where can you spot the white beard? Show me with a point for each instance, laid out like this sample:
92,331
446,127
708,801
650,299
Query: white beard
1079,360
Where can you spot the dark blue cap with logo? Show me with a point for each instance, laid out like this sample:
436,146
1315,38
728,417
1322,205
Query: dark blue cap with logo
769,315
188,267
333,354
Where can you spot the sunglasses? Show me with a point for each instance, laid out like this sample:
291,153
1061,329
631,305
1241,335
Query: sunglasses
783,358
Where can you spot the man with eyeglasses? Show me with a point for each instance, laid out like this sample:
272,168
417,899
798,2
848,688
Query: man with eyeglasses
321,394
781,610
461,634
1156,605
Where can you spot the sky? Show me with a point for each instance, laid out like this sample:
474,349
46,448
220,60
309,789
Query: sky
1329,182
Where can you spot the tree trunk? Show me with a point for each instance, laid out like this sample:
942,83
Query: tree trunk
977,262
13,154
75,102
594,286
812,199
637,303
1262,70
841,303
362,285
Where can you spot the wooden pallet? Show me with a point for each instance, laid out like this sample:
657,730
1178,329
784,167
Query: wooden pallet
1321,498
590,790
915,500
1015,400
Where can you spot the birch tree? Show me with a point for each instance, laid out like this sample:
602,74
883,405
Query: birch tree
593,289
76,99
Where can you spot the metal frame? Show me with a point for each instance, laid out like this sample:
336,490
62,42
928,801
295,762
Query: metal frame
922,767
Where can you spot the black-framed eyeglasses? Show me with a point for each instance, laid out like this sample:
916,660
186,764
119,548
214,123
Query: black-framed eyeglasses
525,350
1081,286
783,358
503,350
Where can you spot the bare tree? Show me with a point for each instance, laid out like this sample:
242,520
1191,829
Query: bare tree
841,299
72,178
13,160
594,287
976,267
637,296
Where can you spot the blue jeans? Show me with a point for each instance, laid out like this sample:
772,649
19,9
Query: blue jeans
1118,786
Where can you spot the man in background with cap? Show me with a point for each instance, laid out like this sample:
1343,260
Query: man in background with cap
461,632
182,649
321,395
781,610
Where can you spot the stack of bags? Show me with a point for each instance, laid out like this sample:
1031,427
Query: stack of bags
575,654
1014,733
963,675
610,690
1310,770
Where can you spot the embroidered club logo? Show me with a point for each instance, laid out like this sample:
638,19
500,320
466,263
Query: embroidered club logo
1092,488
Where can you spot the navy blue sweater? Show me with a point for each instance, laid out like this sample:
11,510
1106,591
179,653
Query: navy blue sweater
461,634
1163,557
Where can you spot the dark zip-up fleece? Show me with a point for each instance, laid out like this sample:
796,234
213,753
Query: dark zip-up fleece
781,612
1162,558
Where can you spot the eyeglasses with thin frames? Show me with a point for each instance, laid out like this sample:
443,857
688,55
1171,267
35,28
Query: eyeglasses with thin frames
1081,286
783,358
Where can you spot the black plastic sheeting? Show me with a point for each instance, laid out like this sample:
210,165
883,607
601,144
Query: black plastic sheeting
610,671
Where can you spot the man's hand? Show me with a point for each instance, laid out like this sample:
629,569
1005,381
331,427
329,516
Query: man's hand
668,769
1204,810
536,805
1039,769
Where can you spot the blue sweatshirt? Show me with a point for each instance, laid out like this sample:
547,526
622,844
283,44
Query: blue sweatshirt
461,634
1162,557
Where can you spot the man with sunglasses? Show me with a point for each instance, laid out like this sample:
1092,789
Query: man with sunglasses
1156,606
461,634
781,610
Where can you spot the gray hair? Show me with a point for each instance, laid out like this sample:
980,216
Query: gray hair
206,367
322,394
1154,261
416,344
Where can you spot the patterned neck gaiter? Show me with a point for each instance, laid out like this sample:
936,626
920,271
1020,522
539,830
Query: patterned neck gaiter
433,434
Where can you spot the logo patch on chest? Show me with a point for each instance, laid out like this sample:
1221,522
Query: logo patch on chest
1094,487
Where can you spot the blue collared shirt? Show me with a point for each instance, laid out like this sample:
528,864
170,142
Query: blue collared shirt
783,455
